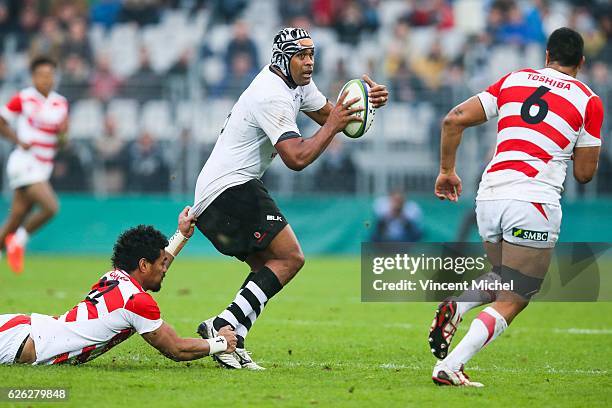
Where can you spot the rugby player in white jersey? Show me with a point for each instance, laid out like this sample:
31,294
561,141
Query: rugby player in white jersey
117,306
546,118
232,206
41,119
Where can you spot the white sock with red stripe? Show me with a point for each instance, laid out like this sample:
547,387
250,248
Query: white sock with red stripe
486,327
472,298
21,237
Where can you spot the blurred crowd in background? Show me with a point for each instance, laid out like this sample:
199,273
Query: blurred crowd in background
150,82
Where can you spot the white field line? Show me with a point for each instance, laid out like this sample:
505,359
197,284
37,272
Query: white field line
574,330
409,326
416,367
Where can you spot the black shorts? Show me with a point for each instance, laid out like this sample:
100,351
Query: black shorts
242,220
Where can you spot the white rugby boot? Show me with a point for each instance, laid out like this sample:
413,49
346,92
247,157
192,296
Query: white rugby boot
444,375
246,361
226,360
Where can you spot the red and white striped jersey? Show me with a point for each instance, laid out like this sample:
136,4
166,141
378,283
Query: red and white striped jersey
39,120
543,115
116,308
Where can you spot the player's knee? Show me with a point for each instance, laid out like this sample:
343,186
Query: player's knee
51,209
520,284
297,260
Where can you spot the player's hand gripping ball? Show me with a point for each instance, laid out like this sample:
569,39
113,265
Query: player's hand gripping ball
358,88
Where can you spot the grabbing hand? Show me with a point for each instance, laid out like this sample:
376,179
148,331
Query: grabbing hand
379,95
24,145
186,222
230,337
342,114
448,186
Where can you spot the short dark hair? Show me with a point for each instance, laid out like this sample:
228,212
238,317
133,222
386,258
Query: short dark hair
139,242
41,60
565,47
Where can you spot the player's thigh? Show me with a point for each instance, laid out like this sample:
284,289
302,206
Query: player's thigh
530,232
488,219
42,194
533,262
494,252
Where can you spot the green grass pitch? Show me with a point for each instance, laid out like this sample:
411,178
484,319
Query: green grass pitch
321,345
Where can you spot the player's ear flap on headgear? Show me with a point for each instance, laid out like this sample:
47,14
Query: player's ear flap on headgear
286,44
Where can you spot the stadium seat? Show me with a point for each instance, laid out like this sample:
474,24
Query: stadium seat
218,37
86,119
502,60
156,119
390,10
124,44
470,16
421,40
125,113
452,42
213,70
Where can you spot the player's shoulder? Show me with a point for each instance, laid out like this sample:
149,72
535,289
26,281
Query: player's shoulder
268,87
29,92
144,305
58,98
128,285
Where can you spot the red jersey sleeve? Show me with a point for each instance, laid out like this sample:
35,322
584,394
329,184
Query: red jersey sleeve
590,135
145,316
12,108
488,98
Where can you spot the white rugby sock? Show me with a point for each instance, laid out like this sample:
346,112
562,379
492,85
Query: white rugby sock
472,298
486,327
21,236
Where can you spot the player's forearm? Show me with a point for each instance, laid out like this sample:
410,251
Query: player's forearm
450,139
190,349
309,149
322,114
176,243
7,132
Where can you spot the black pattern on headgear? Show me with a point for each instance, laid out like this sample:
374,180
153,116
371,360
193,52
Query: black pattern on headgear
286,45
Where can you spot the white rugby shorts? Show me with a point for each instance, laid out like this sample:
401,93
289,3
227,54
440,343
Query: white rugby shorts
519,222
14,328
23,169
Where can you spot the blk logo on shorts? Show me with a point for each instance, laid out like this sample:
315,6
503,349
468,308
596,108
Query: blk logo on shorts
530,235
274,218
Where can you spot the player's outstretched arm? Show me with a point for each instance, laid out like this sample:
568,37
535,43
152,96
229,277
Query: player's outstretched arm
297,153
183,232
467,114
170,344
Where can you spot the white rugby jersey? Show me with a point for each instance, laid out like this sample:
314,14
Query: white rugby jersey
39,120
265,114
543,115
116,308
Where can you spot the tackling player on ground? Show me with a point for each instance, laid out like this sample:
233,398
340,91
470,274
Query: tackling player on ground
232,206
41,116
546,118
117,306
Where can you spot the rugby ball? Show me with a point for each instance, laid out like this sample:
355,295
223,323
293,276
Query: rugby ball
358,88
